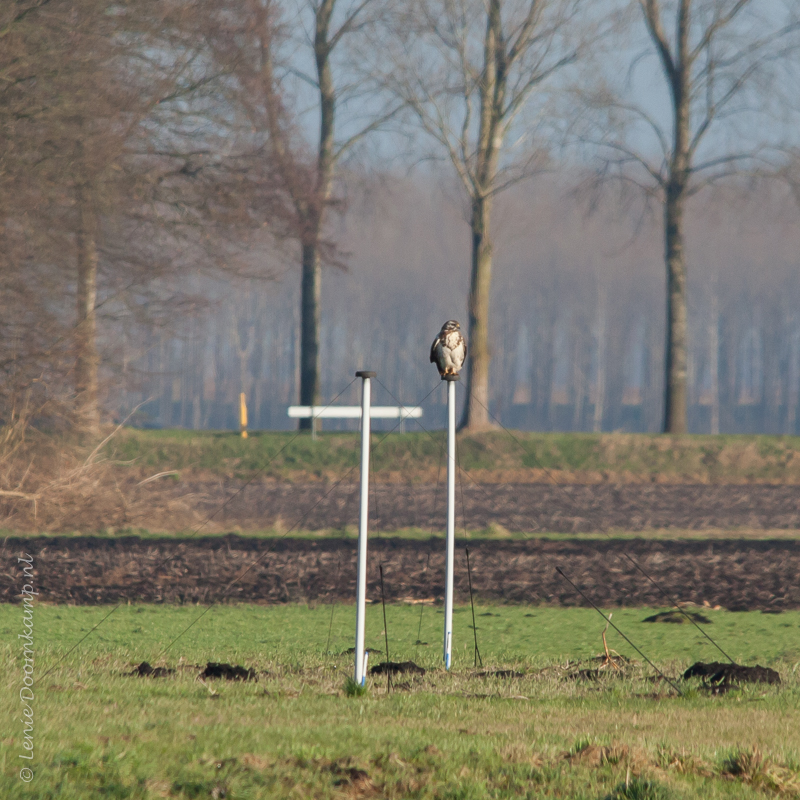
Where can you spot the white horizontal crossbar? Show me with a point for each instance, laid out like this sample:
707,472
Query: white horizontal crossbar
354,412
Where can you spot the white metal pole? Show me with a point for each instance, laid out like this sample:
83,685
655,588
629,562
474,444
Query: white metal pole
361,591
451,518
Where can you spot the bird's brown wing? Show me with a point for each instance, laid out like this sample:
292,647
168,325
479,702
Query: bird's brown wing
464,342
433,349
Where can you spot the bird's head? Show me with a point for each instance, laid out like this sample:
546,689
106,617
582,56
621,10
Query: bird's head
451,325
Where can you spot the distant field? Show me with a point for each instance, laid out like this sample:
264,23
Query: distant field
495,456
101,734
733,572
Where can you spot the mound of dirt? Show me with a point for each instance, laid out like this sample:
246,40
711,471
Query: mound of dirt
228,672
596,756
594,674
144,670
614,665
356,782
679,617
499,673
724,675
397,668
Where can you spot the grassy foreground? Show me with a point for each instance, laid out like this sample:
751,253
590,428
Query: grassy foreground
101,734
496,455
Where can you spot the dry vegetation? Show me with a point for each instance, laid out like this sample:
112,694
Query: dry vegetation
56,482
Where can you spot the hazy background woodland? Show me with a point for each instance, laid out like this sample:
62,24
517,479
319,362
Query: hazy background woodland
577,304
157,182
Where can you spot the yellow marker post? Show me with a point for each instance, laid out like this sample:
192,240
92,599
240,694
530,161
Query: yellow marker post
243,415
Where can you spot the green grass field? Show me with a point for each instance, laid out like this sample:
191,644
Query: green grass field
295,733
416,455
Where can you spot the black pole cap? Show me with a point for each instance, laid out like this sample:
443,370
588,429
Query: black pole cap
451,377
365,374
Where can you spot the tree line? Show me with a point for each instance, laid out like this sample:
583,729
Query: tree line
157,158
577,322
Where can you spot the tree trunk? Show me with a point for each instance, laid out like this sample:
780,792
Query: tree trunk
490,135
314,217
476,409
793,383
309,330
675,398
713,347
677,344
600,385
87,412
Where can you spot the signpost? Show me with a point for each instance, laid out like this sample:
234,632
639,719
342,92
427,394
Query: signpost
451,517
361,584
354,412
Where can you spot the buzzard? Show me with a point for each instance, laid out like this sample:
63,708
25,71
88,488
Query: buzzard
449,349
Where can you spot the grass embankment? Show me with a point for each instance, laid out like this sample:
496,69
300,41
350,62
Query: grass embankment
100,734
495,456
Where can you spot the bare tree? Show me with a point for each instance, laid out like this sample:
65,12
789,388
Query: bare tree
721,64
79,86
475,74
282,79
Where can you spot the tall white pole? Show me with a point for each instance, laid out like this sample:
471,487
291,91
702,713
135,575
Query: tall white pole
361,591
451,517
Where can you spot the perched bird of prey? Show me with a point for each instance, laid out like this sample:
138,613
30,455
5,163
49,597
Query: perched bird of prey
449,349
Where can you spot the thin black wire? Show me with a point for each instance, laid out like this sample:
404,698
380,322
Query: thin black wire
385,634
333,603
345,514
477,658
421,609
376,517
338,569
641,569
475,483
608,620
428,560
267,552
194,532
373,483
442,450
82,639
256,561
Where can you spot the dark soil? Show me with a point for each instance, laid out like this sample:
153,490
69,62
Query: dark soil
679,617
397,668
607,665
734,574
722,674
228,672
567,508
352,778
144,670
499,673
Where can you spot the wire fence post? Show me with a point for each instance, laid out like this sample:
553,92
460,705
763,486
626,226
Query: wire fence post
451,517
361,590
